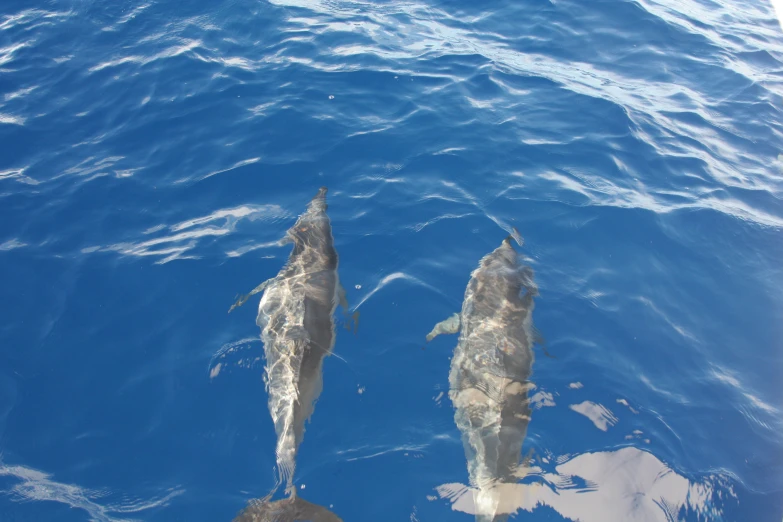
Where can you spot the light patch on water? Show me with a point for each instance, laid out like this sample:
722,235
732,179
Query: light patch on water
262,109
542,399
18,175
625,403
31,16
20,93
637,435
126,173
133,13
576,385
7,53
92,167
629,484
251,212
11,120
11,244
215,371
449,150
238,62
152,230
598,414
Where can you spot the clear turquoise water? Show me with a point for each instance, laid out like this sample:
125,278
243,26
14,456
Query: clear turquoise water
152,153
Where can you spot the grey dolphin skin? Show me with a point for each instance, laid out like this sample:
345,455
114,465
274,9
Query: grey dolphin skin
489,377
296,316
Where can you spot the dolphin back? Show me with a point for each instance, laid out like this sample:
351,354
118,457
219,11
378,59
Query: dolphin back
292,509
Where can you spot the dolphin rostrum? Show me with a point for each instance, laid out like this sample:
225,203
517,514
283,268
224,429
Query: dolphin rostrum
489,377
296,316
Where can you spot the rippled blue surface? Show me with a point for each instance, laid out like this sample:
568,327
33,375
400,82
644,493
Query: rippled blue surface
152,153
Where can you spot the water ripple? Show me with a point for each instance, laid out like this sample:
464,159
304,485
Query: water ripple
188,233
34,485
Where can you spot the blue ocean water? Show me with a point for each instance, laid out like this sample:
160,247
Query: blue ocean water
153,153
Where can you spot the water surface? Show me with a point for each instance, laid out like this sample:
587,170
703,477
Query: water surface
153,154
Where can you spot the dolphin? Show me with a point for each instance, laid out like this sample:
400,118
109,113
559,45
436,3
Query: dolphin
296,317
489,376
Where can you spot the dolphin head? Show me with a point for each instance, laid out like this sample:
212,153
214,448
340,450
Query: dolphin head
313,226
504,257
318,203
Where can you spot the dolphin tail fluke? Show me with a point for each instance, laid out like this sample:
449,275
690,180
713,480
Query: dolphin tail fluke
292,509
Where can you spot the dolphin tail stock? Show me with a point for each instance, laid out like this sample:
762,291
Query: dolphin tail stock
291,509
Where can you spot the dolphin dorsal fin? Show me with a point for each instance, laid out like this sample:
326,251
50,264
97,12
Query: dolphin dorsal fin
516,236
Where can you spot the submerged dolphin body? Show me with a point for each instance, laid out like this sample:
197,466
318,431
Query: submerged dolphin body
489,377
296,316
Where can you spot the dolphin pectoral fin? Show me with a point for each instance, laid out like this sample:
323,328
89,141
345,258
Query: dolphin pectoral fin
528,281
449,326
341,298
287,238
537,337
292,509
355,321
539,340
352,320
242,299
